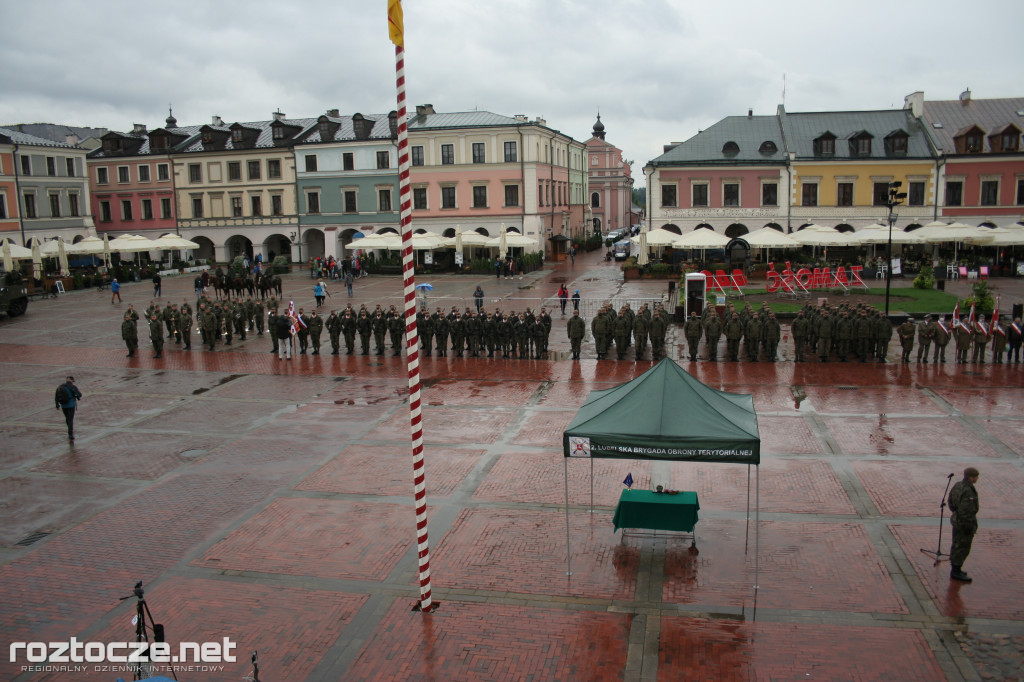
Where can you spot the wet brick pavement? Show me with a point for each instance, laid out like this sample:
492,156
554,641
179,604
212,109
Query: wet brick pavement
271,502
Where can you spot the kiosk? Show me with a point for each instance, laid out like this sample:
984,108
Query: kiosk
696,294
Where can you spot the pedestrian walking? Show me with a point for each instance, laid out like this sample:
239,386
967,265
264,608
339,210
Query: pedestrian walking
115,291
478,298
572,255
157,282
66,399
348,281
563,297
576,300
963,502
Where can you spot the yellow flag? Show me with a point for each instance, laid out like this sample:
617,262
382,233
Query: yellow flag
396,26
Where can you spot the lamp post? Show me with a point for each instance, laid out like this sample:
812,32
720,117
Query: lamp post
895,199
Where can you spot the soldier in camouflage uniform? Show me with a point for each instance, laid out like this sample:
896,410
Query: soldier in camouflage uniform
963,502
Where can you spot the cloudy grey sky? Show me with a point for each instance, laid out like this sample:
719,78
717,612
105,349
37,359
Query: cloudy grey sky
658,70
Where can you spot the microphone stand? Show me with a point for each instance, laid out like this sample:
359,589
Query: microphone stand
938,554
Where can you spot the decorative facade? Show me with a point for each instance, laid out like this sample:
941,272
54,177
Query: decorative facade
610,190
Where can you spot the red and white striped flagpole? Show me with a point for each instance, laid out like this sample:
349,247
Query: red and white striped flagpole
412,337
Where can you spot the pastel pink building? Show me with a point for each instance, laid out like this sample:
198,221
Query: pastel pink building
610,183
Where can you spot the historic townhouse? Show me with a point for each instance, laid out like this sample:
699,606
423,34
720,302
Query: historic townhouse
732,178
132,185
610,184
44,190
235,186
347,169
480,170
841,164
980,156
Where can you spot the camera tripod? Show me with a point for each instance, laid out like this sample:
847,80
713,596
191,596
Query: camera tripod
938,555
144,669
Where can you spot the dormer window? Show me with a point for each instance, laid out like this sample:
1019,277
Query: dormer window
1011,141
825,145
730,148
896,143
768,147
325,129
860,144
973,143
158,142
236,135
207,137
278,132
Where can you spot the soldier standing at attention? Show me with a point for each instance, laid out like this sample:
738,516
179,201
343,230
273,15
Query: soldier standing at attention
576,329
942,334
130,334
925,336
316,328
156,335
712,334
962,335
998,341
733,332
963,502
658,329
772,336
185,326
799,330
981,332
824,335
600,328
906,333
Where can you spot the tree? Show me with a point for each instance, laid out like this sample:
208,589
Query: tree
640,196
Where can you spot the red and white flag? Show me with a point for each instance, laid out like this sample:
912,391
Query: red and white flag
971,320
995,327
956,315
295,318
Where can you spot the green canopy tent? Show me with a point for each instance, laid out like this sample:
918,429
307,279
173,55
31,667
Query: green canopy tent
666,414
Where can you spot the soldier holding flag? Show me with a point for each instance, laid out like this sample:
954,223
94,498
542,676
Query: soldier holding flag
942,334
981,334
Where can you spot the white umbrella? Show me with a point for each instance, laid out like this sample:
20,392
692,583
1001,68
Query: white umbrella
879,234
131,243
8,259
818,235
769,238
173,242
502,243
106,250
37,261
701,239
50,248
458,239
468,239
62,258
89,245
643,258
658,237
18,252
998,236
954,232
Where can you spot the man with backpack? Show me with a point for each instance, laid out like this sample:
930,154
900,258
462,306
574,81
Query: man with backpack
66,398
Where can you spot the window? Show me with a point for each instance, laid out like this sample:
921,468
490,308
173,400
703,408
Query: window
30,205
768,147
480,196
165,207
147,209
899,144
770,194
253,167
126,210
417,156
54,205
350,201
825,145
313,201
384,199
71,167
595,199
256,204
310,163
234,170
881,194
73,205
123,175
510,152
447,197
278,132
3,205
276,205
915,197
1020,191
419,198
864,146
447,154
810,194
383,160
143,173
1010,141
973,142
731,194
105,212
348,161
700,194
540,193
844,194
274,169
195,172
511,195
990,193
668,195
478,153
163,172
236,135
197,207
51,166
236,207
954,193
26,165
102,177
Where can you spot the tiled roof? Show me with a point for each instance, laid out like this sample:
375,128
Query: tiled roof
345,130
747,132
264,141
954,115
18,137
803,128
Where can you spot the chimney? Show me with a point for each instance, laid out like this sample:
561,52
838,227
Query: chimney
424,109
915,102
217,121
334,113
750,113
138,128
521,118
278,115
965,97
71,138
540,121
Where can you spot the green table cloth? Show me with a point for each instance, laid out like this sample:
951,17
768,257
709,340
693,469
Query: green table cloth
656,511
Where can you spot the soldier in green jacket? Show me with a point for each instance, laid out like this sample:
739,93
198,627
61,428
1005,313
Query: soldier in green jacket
349,329
824,334
658,329
601,330
184,326
906,334
425,329
156,335
772,336
621,331
640,332
799,329
963,502
316,328
925,336
440,326
980,339
693,330
333,325
130,334
733,334
380,330
396,327
576,329
365,328
883,335
942,335
754,337
962,335
712,334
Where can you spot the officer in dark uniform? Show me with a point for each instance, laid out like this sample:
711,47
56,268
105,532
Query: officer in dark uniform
963,502
576,329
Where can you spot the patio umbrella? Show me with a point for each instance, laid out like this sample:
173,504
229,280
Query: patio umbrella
642,258
657,237
89,245
62,258
701,239
468,239
954,232
106,250
131,243
502,243
458,239
49,248
37,261
769,238
818,235
879,234
17,252
8,259
174,243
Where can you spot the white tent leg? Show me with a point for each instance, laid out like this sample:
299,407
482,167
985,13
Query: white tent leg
568,550
757,532
746,535
591,485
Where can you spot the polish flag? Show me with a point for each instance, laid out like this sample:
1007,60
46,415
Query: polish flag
956,315
994,326
293,315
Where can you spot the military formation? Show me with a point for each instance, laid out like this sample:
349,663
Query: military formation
616,331
752,333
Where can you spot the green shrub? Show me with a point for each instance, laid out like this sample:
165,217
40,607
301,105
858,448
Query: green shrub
981,297
281,264
79,280
925,279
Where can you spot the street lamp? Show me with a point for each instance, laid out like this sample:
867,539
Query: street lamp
895,199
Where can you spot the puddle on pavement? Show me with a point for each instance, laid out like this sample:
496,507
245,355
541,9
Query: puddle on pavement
192,454
230,377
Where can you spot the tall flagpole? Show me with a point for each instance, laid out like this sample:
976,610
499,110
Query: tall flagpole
411,334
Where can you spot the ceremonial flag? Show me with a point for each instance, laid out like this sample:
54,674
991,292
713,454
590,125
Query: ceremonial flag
396,23
956,314
971,319
296,319
994,327
628,482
